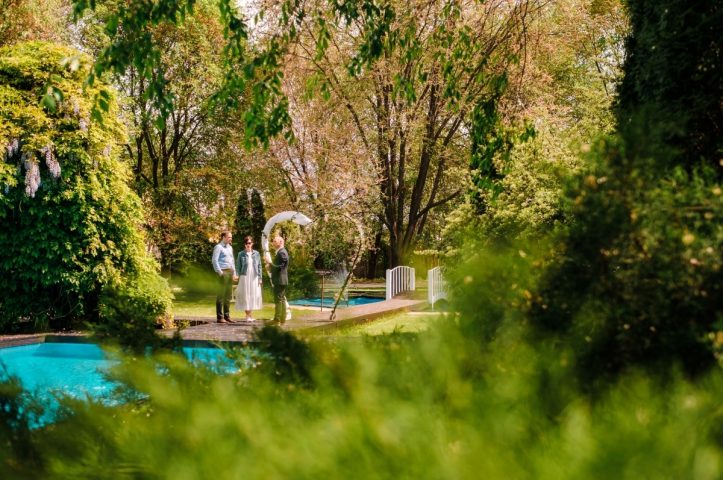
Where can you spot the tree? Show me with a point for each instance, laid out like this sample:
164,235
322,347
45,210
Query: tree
258,217
412,111
131,44
242,224
72,226
24,20
427,76
181,165
673,82
637,280
565,88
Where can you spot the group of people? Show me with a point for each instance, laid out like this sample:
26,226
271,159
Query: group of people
246,269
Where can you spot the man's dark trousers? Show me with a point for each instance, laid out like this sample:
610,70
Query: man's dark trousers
223,295
280,303
280,278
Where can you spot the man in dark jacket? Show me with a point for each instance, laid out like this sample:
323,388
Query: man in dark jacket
280,278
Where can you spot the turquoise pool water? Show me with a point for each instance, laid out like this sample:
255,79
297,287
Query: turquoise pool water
74,369
329,301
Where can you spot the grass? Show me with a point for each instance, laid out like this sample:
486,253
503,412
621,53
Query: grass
199,303
194,304
401,322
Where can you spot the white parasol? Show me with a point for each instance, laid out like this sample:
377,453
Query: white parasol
296,217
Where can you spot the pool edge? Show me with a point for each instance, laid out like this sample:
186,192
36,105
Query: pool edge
35,338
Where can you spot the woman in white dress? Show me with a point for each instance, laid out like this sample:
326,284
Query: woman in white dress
248,268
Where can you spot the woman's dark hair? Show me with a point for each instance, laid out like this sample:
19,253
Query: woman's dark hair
248,238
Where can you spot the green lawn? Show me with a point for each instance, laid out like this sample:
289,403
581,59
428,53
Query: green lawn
402,322
194,304
197,302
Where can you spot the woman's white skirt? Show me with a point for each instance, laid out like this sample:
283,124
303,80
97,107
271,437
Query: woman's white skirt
248,292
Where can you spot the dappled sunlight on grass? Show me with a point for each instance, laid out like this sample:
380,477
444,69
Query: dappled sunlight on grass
401,323
200,304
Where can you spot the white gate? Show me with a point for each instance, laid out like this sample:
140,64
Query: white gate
399,279
436,286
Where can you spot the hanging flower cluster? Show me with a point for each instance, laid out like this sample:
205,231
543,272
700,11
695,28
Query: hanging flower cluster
32,175
83,122
13,148
31,165
51,161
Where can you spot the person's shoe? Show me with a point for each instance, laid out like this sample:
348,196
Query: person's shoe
222,320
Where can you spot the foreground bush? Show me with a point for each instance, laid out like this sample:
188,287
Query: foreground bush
637,280
399,406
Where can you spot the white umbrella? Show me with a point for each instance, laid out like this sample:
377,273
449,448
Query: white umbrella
296,217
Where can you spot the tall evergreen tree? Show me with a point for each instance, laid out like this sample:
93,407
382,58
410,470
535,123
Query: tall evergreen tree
258,217
242,224
638,279
670,96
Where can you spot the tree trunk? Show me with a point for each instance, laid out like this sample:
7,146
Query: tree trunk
373,258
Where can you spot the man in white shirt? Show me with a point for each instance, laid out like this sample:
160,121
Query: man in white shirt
224,266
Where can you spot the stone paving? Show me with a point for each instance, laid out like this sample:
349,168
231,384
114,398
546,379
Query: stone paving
207,329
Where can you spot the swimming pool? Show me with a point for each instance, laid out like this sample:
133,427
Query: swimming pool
76,370
329,301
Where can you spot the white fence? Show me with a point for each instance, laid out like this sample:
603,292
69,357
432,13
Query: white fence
399,279
436,286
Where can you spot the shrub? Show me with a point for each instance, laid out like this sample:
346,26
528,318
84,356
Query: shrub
131,310
303,281
638,279
71,224
397,406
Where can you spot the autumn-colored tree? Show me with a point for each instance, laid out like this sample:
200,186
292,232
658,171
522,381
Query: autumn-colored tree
411,112
23,20
565,88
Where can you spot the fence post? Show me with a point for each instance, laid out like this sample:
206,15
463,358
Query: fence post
436,286
389,285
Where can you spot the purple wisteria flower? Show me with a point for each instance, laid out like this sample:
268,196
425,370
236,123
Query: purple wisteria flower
13,147
51,161
32,175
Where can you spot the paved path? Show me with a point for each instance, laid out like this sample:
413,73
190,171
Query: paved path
206,329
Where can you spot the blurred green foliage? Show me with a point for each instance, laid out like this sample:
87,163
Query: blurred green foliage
437,405
636,280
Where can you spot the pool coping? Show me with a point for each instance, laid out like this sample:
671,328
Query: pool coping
82,337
